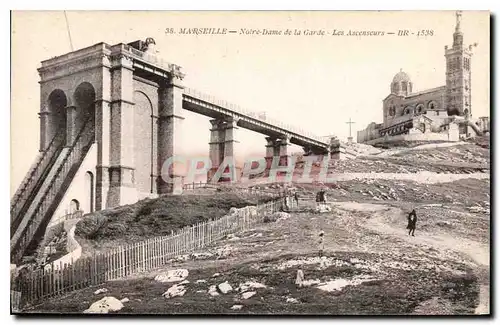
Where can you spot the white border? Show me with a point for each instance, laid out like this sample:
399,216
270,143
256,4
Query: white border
182,5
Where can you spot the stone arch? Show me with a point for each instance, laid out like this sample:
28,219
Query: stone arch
89,191
84,110
407,110
145,139
84,99
420,109
57,114
432,105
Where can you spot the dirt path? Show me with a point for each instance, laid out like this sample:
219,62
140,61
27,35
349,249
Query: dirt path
383,222
392,152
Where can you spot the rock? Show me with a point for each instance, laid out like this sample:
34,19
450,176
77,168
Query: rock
444,223
201,256
248,294
184,282
250,285
224,252
322,208
215,275
176,290
124,300
172,276
213,291
292,300
307,283
282,216
300,278
201,281
104,306
181,258
236,307
225,287
232,237
277,216
99,291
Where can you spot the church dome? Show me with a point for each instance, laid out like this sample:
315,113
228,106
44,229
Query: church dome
401,76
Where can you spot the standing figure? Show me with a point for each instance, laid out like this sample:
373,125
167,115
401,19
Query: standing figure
296,197
321,243
412,222
321,196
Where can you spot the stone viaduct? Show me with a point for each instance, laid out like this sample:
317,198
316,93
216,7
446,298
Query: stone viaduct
110,116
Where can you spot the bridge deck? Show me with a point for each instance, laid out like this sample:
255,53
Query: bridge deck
207,105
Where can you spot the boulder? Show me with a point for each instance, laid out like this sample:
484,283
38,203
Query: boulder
99,291
176,290
248,294
104,306
250,285
201,256
277,216
225,287
323,208
282,216
236,307
213,291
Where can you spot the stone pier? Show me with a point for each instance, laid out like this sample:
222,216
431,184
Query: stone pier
277,147
224,148
122,167
170,127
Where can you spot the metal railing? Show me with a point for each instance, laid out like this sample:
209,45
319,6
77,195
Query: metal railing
151,58
24,234
33,176
255,115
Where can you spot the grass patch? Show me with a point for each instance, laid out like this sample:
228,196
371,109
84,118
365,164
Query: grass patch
159,217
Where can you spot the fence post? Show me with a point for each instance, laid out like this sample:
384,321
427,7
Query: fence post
143,250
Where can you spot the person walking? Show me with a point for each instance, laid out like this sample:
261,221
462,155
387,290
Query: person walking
296,197
412,222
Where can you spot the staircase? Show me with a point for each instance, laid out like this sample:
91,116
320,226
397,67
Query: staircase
52,190
34,178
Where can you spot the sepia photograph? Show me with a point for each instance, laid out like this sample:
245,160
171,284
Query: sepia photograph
332,163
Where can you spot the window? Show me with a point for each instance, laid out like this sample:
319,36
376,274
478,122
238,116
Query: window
404,85
467,63
392,111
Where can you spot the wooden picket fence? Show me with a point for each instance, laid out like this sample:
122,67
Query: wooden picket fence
36,286
250,190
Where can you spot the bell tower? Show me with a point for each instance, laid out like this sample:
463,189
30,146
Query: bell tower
458,74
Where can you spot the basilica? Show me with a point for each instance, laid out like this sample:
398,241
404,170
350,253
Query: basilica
442,113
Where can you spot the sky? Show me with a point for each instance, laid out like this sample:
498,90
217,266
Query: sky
314,82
